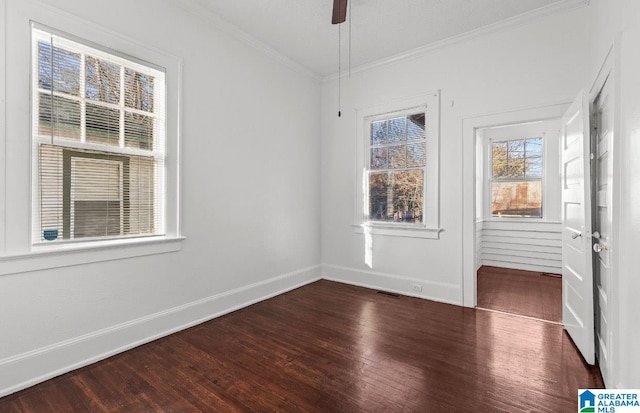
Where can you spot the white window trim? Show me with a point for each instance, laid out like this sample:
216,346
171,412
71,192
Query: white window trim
3,121
430,228
68,254
17,254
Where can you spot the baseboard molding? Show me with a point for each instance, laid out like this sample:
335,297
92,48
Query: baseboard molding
33,367
523,266
435,291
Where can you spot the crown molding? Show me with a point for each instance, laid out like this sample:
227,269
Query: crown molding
199,9
557,7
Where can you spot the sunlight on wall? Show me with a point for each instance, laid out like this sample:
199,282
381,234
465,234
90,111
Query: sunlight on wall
368,237
368,247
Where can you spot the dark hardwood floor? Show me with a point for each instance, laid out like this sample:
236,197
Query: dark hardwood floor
527,293
330,347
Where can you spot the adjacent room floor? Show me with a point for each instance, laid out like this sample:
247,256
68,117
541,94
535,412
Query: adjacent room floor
330,347
528,293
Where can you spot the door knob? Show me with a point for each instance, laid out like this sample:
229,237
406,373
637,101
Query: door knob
599,248
575,235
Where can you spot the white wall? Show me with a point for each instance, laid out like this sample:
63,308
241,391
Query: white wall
534,64
250,198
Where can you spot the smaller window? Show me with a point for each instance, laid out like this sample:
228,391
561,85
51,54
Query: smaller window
516,178
397,169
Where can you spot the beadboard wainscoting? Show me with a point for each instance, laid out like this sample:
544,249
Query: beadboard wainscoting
532,246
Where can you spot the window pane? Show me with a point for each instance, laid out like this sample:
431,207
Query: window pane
416,154
95,189
533,167
64,74
397,156
379,132
499,159
415,127
141,196
408,196
515,146
96,218
102,125
379,158
516,199
379,195
533,147
44,65
515,162
397,129
61,122
102,80
138,131
515,168
51,191
138,90
396,196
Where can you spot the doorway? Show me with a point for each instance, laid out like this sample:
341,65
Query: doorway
472,228
518,224
605,283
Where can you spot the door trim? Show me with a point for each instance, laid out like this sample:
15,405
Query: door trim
609,72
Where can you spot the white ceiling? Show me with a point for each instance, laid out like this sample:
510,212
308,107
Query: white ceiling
301,29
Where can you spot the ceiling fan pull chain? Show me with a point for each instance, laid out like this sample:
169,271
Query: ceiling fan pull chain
339,69
350,19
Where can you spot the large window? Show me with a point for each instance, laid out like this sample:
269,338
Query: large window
398,168
516,178
98,139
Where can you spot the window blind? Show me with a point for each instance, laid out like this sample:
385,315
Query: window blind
98,139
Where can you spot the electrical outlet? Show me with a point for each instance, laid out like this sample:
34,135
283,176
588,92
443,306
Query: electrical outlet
417,288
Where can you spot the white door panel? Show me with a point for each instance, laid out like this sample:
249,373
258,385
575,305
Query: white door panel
577,276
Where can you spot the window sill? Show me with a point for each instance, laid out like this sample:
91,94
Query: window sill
521,220
397,231
64,255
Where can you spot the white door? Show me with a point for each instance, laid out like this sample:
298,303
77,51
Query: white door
577,276
603,219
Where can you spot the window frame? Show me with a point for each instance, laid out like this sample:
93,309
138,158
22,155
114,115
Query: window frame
84,48
491,179
17,253
429,228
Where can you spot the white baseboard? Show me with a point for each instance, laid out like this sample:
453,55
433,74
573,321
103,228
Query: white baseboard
435,291
30,368
523,266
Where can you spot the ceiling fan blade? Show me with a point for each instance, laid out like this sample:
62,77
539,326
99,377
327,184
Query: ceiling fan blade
339,11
